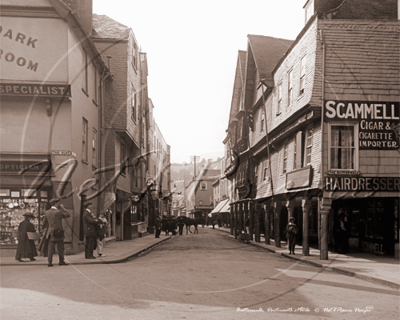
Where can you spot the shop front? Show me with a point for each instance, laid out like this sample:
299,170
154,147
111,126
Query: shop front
20,192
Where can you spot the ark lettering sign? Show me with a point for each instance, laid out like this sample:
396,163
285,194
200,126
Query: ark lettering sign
362,184
379,122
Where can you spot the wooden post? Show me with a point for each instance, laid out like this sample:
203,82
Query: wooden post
231,218
250,208
306,205
257,222
81,233
267,226
325,207
236,221
277,209
240,218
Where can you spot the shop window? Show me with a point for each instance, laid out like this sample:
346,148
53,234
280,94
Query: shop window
302,74
133,213
343,146
4,192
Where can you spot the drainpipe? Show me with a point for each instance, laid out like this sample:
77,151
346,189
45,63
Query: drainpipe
323,207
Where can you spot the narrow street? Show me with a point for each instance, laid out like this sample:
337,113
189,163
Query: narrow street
194,276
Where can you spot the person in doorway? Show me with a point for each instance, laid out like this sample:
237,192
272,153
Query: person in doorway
291,233
101,233
157,225
89,230
26,247
54,232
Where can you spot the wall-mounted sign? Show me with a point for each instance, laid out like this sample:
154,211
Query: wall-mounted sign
379,122
63,153
31,90
362,184
16,166
299,179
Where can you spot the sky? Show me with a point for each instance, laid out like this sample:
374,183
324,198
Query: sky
192,49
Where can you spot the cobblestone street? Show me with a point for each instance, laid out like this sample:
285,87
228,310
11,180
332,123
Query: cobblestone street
195,276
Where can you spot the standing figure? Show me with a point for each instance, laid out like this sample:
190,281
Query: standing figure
181,223
157,225
101,233
291,232
90,231
26,248
54,232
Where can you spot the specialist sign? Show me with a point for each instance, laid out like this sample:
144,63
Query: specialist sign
34,90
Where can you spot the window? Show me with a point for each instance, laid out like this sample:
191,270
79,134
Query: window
85,70
84,140
256,175
96,87
265,171
343,147
285,156
279,106
134,55
94,148
302,74
262,122
309,143
309,10
295,154
133,103
122,156
203,185
290,87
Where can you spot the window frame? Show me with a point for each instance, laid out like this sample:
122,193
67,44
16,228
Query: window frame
85,136
262,121
285,157
290,87
307,146
279,99
265,169
203,185
122,155
94,149
134,55
85,88
303,63
355,147
133,104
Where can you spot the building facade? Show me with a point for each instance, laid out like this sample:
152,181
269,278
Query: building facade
330,107
51,84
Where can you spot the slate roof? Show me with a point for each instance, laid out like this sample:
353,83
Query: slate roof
267,52
106,28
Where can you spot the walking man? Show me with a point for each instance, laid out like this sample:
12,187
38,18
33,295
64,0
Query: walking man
55,232
291,232
158,227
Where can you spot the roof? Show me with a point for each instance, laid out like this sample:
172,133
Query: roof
267,51
106,28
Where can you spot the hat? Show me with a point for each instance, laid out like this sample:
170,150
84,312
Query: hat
54,201
28,214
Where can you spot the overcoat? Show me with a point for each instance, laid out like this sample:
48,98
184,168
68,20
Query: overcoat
26,248
89,225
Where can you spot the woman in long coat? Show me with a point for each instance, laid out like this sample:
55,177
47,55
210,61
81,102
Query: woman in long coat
26,248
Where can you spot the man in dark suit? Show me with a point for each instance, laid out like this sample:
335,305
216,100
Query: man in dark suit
90,231
54,232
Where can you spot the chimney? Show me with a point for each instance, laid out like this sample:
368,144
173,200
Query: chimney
84,10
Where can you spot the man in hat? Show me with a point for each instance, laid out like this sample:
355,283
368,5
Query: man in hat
55,232
90,231
291,232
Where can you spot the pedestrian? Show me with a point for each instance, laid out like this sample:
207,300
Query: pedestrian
291,232
54,232
157,225
181,223
26,248
247,225
101,233
89,230
219,221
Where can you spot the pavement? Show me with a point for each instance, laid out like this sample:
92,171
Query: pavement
373,268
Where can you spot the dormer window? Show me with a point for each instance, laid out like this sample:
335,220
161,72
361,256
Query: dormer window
308,10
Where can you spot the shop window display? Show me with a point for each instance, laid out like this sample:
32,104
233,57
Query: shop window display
13,204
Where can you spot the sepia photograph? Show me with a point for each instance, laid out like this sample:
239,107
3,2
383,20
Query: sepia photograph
183,159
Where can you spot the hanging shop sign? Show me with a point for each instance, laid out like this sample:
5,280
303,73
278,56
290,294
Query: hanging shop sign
362,184
379,124
299,179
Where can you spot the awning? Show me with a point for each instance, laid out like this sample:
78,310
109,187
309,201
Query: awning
226,207
219,206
